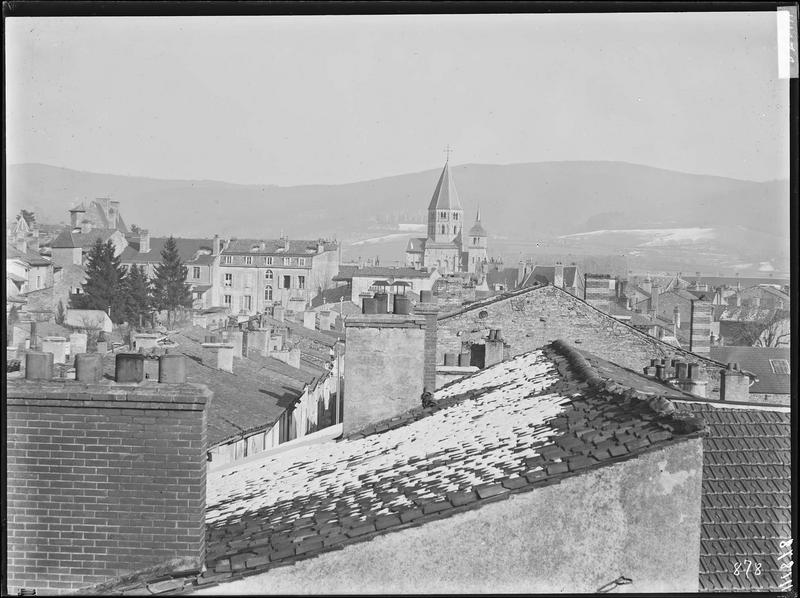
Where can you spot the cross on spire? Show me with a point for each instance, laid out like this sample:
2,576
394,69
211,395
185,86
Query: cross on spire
447,151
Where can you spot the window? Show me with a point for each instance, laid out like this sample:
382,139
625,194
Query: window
38,282
196,272
247,302
248,259
780,366
301,261
268,260
287,261
268,293
455,215
229,280
444,229
228,259
301,282
268,275
226,299
287,282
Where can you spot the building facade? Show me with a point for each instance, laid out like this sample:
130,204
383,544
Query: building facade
254,275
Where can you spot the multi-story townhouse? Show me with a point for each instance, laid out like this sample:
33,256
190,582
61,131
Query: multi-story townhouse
255,275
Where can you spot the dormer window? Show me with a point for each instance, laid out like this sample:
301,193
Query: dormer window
268,260
228,259
248,260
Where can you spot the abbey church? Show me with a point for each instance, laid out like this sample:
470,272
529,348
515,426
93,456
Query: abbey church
447,247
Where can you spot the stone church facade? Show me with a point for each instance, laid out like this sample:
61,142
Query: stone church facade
447,248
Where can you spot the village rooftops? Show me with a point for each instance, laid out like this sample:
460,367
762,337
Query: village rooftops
547,274
29,257
348,272
194,251
522,424
67,239
769,364
289,247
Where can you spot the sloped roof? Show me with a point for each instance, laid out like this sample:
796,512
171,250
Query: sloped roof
746,509
88,318
68,239
331,296
29,257
245,401
445,196
477,229
347,273
757,361
296,247
187,250
500,431
506,276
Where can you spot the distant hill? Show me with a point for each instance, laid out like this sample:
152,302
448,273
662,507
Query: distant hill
520,202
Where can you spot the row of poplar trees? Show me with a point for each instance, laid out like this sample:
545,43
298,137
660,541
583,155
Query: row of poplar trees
126,293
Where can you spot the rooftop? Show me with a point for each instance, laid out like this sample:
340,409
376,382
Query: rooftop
68,239
189,250
445,196
547,274
511,428
761,362
348,272
273,246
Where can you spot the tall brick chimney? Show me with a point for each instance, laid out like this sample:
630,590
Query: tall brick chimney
126,491
700,335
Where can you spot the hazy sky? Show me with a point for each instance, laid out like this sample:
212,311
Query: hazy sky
293,100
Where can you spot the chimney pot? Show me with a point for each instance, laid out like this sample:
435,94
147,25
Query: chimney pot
370,305
129,367
88,367
38,366
172,369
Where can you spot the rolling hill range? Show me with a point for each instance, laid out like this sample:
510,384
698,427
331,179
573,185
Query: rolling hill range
538,204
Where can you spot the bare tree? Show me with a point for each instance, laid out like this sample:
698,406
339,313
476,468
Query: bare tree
770,330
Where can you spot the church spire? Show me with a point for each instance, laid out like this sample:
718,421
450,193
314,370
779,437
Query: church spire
478,215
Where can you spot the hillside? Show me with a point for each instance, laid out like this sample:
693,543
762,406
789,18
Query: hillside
525,203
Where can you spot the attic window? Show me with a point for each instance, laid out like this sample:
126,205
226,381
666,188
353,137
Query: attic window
780,366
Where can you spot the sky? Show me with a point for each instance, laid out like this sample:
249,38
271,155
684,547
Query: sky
335,99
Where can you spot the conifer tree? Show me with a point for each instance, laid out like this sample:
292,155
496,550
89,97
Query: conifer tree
105,287
139,295
170,291
60,312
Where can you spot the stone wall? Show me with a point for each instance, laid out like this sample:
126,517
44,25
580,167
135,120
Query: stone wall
534,317
103,480
639,518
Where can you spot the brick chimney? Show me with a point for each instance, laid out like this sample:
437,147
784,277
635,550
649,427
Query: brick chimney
700,335
218,356
141,504
558,275
734,385
144,241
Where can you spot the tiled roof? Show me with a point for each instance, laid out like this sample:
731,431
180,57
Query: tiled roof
521,424
30,257
273,246
244,402
69,239
746,509
445,196
331,296
187,250
757,361
477,230
379,272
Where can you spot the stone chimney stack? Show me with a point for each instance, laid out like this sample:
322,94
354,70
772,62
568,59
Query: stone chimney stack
216,247
654,293
558,275
734,384
144,241
218,356
390,361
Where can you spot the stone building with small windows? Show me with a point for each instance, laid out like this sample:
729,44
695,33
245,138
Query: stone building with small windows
255,275
448,247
